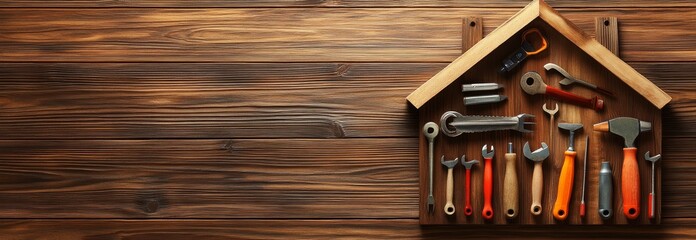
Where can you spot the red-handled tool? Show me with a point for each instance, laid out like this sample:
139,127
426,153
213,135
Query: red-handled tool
628,128
532,84
487,182
467,194
651,198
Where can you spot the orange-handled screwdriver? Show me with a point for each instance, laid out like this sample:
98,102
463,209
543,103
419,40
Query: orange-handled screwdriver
565,181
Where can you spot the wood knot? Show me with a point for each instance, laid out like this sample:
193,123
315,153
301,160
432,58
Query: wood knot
337,128
151,206
342,70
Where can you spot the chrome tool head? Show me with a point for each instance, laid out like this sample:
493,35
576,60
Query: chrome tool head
571,127
568,79
551,112
653,158
447,130
538,155
521,122
468,164
449,163
487,154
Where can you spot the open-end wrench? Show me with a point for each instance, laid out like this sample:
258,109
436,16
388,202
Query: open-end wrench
537,157
568,79
532,84
467,198
651,197
449,206
552,114
487,182
430,131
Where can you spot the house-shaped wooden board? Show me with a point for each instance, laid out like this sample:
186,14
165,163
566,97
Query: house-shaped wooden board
584,58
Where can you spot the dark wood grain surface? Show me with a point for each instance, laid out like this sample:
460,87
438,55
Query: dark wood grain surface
270,119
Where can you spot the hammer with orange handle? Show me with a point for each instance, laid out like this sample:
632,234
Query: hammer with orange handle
565,181
628,128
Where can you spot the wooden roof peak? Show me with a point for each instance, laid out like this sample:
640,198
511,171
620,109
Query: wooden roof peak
539,9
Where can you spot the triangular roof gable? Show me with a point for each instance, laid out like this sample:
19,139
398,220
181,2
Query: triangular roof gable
539,9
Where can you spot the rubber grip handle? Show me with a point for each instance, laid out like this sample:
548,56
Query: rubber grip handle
630,184
449,206
510,190
467,195
537,188
651,201
605,191
595,103
582,210
487,212
565,186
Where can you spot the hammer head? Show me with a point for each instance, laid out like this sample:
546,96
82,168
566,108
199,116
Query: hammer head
468,164
450,163
626,127
570,126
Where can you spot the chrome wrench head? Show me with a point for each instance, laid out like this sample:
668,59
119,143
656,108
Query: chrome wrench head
485,153
469,164
538,155
444,126
653,158
551,112
430,130
449,163
567,80
521,123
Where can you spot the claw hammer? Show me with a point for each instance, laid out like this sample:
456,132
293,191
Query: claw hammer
628,128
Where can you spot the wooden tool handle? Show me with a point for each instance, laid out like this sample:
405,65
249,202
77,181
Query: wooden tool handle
487,189
510,194
449,207
467,206
565,186
537,188
630,184
595,103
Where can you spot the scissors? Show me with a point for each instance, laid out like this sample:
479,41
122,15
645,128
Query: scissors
527,49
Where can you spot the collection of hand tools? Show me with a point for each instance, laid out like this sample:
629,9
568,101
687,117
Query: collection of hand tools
453,124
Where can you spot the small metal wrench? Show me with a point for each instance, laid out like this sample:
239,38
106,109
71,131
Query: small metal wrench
651,198
430,131
568,79
467,198
449,206
532,84
487,182
537,157
552,114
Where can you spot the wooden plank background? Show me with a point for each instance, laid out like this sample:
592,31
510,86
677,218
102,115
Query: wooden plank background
258,119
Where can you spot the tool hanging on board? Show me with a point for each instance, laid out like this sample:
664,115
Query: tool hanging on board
628,128
532,84
537,157
430,131
651,197
467,198
449,206
470,124
565,180
584,176
483,99
510,190
487,182
568,79
552,114
606,188
528,48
